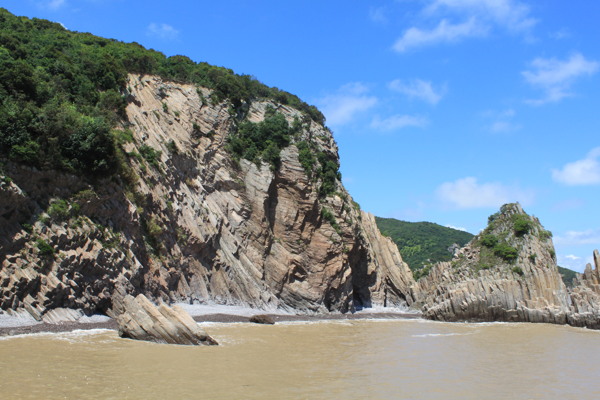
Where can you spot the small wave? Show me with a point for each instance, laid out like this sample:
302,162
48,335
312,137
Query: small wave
425,335
206,309
68,336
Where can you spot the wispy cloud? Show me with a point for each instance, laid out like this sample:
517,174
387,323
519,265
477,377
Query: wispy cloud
464,19
378,15
343,106
396,122
53,4
555,77
444,32
581,172
576,238
468,193
418,89
502,121
162,31
509,14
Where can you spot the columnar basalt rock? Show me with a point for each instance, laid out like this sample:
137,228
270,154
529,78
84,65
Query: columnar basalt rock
186,221
487,281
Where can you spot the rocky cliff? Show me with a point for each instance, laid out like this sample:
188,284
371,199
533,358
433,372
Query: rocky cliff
187,221
508,273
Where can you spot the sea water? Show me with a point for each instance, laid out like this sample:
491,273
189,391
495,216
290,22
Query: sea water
343,359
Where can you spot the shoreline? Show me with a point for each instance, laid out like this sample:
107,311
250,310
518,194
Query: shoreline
216,317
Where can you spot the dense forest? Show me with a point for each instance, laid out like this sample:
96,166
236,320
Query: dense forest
422,243
62,93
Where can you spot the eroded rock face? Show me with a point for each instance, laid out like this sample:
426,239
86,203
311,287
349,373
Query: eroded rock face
480,285
192,224
141,320
585,296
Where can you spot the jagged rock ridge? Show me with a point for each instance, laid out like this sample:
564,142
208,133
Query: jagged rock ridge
189,223
508,273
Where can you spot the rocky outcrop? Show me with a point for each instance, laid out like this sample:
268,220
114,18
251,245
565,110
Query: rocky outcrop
585,296
141,320
185,221
262,319
506,273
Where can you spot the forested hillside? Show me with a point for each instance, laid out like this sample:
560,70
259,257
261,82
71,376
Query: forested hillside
422,243
62,93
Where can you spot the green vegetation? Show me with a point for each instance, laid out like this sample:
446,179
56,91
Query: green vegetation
522,224
517,270
506,252
261,141
44,248
61,92
329,217
151,155
489,240
567,275
419,242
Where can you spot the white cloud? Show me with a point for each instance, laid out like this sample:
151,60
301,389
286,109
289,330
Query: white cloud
580,172
573,262
444,32
343,106
577,238
54,4
478,18
502,122
468,193
458,228
418,89
396,122
555,77
162,31
509,14
378,15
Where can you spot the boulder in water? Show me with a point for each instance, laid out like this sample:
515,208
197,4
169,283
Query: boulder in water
142,320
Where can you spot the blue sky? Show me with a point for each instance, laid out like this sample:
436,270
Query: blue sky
442,109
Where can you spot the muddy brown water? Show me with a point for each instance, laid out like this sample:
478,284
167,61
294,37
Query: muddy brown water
347,359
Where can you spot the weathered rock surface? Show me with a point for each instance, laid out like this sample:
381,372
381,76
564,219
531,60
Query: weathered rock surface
191,224
479,285
585,296
141,320
262,319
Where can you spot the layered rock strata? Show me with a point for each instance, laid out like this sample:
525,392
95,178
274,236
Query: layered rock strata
487,281
141,320
187,222
480,285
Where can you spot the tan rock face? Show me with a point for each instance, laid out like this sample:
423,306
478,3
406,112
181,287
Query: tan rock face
141,320
191,224
480,286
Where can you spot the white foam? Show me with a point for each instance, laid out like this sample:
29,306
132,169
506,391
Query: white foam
425,335
206,309
16,319
93,319
384,310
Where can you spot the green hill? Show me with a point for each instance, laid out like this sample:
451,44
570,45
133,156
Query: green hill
422,243
567,275
62,93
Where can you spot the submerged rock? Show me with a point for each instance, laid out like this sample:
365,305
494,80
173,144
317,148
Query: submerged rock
141,320
262,319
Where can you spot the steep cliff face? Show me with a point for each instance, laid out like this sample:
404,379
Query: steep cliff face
190,223
506,273
585,297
